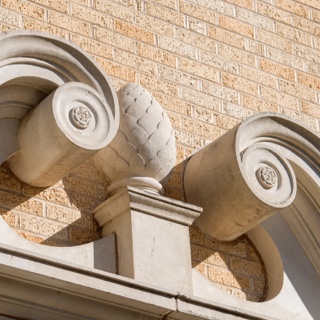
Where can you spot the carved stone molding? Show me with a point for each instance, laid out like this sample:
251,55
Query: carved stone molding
143,152
64,100
250,173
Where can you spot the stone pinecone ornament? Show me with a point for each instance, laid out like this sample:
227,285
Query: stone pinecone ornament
143,151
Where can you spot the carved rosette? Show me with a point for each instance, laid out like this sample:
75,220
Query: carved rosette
143,152
249,173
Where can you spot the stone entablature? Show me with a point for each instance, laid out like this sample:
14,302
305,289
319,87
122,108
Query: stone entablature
145,234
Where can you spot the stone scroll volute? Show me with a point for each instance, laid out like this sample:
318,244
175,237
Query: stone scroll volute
57,106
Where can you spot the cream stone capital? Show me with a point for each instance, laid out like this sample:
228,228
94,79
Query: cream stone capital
250,173
65,103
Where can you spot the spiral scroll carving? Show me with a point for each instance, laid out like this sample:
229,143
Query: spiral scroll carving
143,151
249,173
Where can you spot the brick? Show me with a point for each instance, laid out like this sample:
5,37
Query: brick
58,5
115,39
202,268
306,25
80,236
31,24
88,170
198,12
174,194
310,109
180,78
175,120
163,13
217,6
7,28
92,46
236,111
227,37
197,40
117,70
236,26
155,54
134,32
199,253
235,54
298,91
43,227
31,206
167,3
248,4
226,122
178,47
274,40
196,236
277,70
211,132
293,34
68,23
175,105
9,17
307,120
10,200
196,25
82,202
274,13
307,53
259,77
315,15
189,140
155,25
278,98
91,16
309,81
292,6
31,237
257,104
311,3
255,19
114,9
237,248
62,214
159,85
247,267
239,84
25,8
220,91
135,62
10,217
219,62
285,58
8,181
225,277
56,194
195,97
205,114
255,47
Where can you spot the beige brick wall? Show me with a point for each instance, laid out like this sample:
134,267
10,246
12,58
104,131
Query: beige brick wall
210,64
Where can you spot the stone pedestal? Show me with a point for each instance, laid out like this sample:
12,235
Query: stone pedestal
152,237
